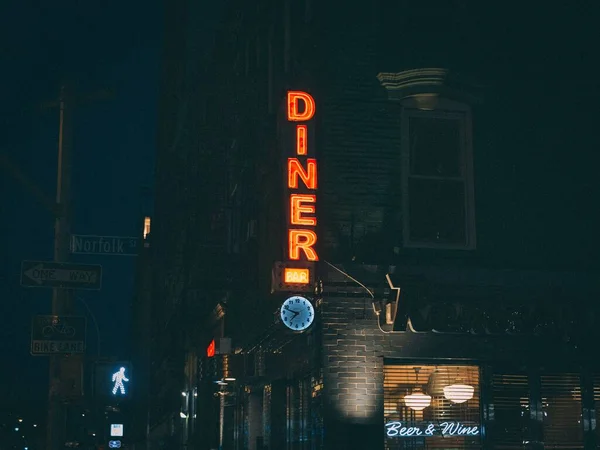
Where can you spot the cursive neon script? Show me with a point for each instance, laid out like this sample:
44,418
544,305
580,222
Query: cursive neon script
396,429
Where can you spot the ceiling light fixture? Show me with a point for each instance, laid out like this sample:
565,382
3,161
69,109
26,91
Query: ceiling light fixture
417,401
459,393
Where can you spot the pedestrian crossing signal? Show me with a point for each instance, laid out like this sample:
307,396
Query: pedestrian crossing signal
118,378
113,380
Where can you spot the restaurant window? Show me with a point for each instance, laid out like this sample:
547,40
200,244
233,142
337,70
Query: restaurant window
290,415
595,425
299,415
510,416
147,222
437,175
267,416
316,415
561,410
431,406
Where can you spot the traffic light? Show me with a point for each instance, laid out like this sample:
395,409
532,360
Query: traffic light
113,380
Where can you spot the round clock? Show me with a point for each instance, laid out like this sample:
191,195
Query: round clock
297,313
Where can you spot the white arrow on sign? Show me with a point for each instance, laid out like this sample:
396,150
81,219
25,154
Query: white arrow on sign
39,275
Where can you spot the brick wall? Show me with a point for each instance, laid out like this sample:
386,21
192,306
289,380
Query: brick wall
358,139
354,350
352,366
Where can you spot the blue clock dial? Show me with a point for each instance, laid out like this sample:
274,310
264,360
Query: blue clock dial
297,313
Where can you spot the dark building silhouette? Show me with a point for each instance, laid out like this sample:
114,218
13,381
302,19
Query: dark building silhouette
454,284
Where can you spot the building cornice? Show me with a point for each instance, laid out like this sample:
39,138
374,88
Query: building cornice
424,83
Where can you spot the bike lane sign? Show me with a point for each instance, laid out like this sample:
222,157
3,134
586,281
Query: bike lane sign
51,335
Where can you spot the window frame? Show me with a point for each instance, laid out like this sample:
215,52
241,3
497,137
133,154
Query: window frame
444,109
401,363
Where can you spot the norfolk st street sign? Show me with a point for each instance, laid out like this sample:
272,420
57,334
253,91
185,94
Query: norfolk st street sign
61,275
104,245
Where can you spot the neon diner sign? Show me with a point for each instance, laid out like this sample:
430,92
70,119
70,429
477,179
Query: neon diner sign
399,430
301,175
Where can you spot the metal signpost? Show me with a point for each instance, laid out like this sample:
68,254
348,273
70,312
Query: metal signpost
51,335
104,245
64,370
61,275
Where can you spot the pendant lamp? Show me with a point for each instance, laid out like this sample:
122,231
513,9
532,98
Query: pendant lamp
459,392
417,401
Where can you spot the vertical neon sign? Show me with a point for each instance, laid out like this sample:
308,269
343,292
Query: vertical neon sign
301,175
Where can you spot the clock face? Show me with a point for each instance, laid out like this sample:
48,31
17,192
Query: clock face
297,313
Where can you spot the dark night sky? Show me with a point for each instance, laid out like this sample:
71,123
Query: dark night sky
117,45
113,45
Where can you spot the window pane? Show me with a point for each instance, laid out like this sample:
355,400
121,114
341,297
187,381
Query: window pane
431,407
147,222
596,426
434,146
510,416
437,211
561,409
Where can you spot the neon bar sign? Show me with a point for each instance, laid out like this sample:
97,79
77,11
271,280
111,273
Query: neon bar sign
301,182
296,275
396,429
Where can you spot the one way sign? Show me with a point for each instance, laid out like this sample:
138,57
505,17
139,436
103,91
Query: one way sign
61,275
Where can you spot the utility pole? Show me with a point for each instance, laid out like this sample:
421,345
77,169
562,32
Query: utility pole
61,373
65,374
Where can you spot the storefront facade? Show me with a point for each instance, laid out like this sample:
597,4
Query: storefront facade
504,388
339,165
442,356
351,380
399,357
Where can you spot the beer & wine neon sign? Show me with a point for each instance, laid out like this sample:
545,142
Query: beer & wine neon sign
400,430
301,182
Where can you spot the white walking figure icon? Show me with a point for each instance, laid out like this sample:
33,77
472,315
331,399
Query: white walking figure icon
118,378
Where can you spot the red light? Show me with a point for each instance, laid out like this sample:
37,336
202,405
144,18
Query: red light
294,114
296,170
299,205
303,240
301,133
301,175
210,350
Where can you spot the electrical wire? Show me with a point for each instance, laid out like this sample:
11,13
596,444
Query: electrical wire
377,313
352,278
92,315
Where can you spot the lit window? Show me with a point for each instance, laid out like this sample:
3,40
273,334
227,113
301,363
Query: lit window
596,391
146,226
431,406
437,175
